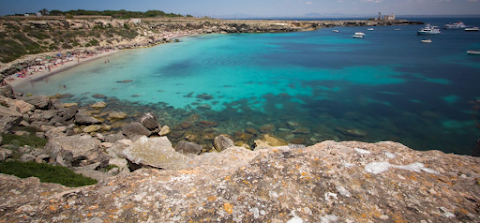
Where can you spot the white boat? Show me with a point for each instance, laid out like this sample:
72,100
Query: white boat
398,29
360,33
472,29
457,25
370,29
358,36
473,52
335,31
429,30
426,40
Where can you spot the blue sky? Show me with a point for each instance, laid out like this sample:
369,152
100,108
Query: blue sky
259,8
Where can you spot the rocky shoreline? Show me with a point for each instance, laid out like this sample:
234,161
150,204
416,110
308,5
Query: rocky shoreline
154,181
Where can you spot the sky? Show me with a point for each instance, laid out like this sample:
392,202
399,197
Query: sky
259,8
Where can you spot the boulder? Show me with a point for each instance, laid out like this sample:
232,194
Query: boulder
82,118
74,150
149,120
6,91
185,147
268,141
155,152
92,128
164,131
222,142
17,105
5,153
40,101
135,129
68,105
26,158
117,115
99,105
70,112
9,119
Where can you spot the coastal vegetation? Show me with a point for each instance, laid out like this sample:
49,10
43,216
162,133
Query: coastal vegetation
119,14
46,173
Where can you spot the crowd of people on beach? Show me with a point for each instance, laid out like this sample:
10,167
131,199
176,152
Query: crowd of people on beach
48,64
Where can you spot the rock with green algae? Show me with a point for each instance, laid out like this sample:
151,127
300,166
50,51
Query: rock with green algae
327,182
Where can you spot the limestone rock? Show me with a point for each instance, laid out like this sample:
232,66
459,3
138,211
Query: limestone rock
74,149
155,152
164,131
92,128
135,129
68,105
99,105
71,111
26,158
40,101
268,141
222,142
267,128
5,153
82,118
328,182
185,147
149,120
6,91
117,115
9,119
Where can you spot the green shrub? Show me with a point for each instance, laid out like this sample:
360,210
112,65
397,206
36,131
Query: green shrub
46,173
93,42
39,35
30,140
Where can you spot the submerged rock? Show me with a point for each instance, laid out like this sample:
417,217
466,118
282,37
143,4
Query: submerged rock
99,105
351,132
269,141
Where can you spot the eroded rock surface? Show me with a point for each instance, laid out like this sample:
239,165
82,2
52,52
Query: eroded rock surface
327,182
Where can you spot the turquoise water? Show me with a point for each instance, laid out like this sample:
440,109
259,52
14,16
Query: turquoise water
389,85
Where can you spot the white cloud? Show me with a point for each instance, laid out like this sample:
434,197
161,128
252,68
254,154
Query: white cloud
309,3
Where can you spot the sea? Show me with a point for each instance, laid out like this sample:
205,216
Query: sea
302,87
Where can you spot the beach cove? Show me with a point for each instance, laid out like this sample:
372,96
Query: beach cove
181,91
252,127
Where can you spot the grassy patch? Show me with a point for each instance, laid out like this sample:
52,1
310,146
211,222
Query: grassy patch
30,140
46,173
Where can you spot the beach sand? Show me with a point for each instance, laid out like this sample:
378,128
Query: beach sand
17,81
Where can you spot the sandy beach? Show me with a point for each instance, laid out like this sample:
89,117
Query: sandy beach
40,71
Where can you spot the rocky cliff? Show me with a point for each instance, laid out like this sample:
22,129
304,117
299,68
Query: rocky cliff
328,182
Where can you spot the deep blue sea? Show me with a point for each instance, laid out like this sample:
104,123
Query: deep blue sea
387,86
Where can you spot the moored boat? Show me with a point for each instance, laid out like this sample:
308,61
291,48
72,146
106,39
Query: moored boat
473,52
370,29
335,31
358,36
426,40
429,30
456,25
472,29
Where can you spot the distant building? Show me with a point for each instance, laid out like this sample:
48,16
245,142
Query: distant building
39,14
27,15
389,17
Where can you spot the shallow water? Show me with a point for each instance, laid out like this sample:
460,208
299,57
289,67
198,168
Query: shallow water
389,85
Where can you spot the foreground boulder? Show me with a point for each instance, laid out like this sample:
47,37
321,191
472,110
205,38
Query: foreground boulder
75,150
328,182
155,152
40,101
